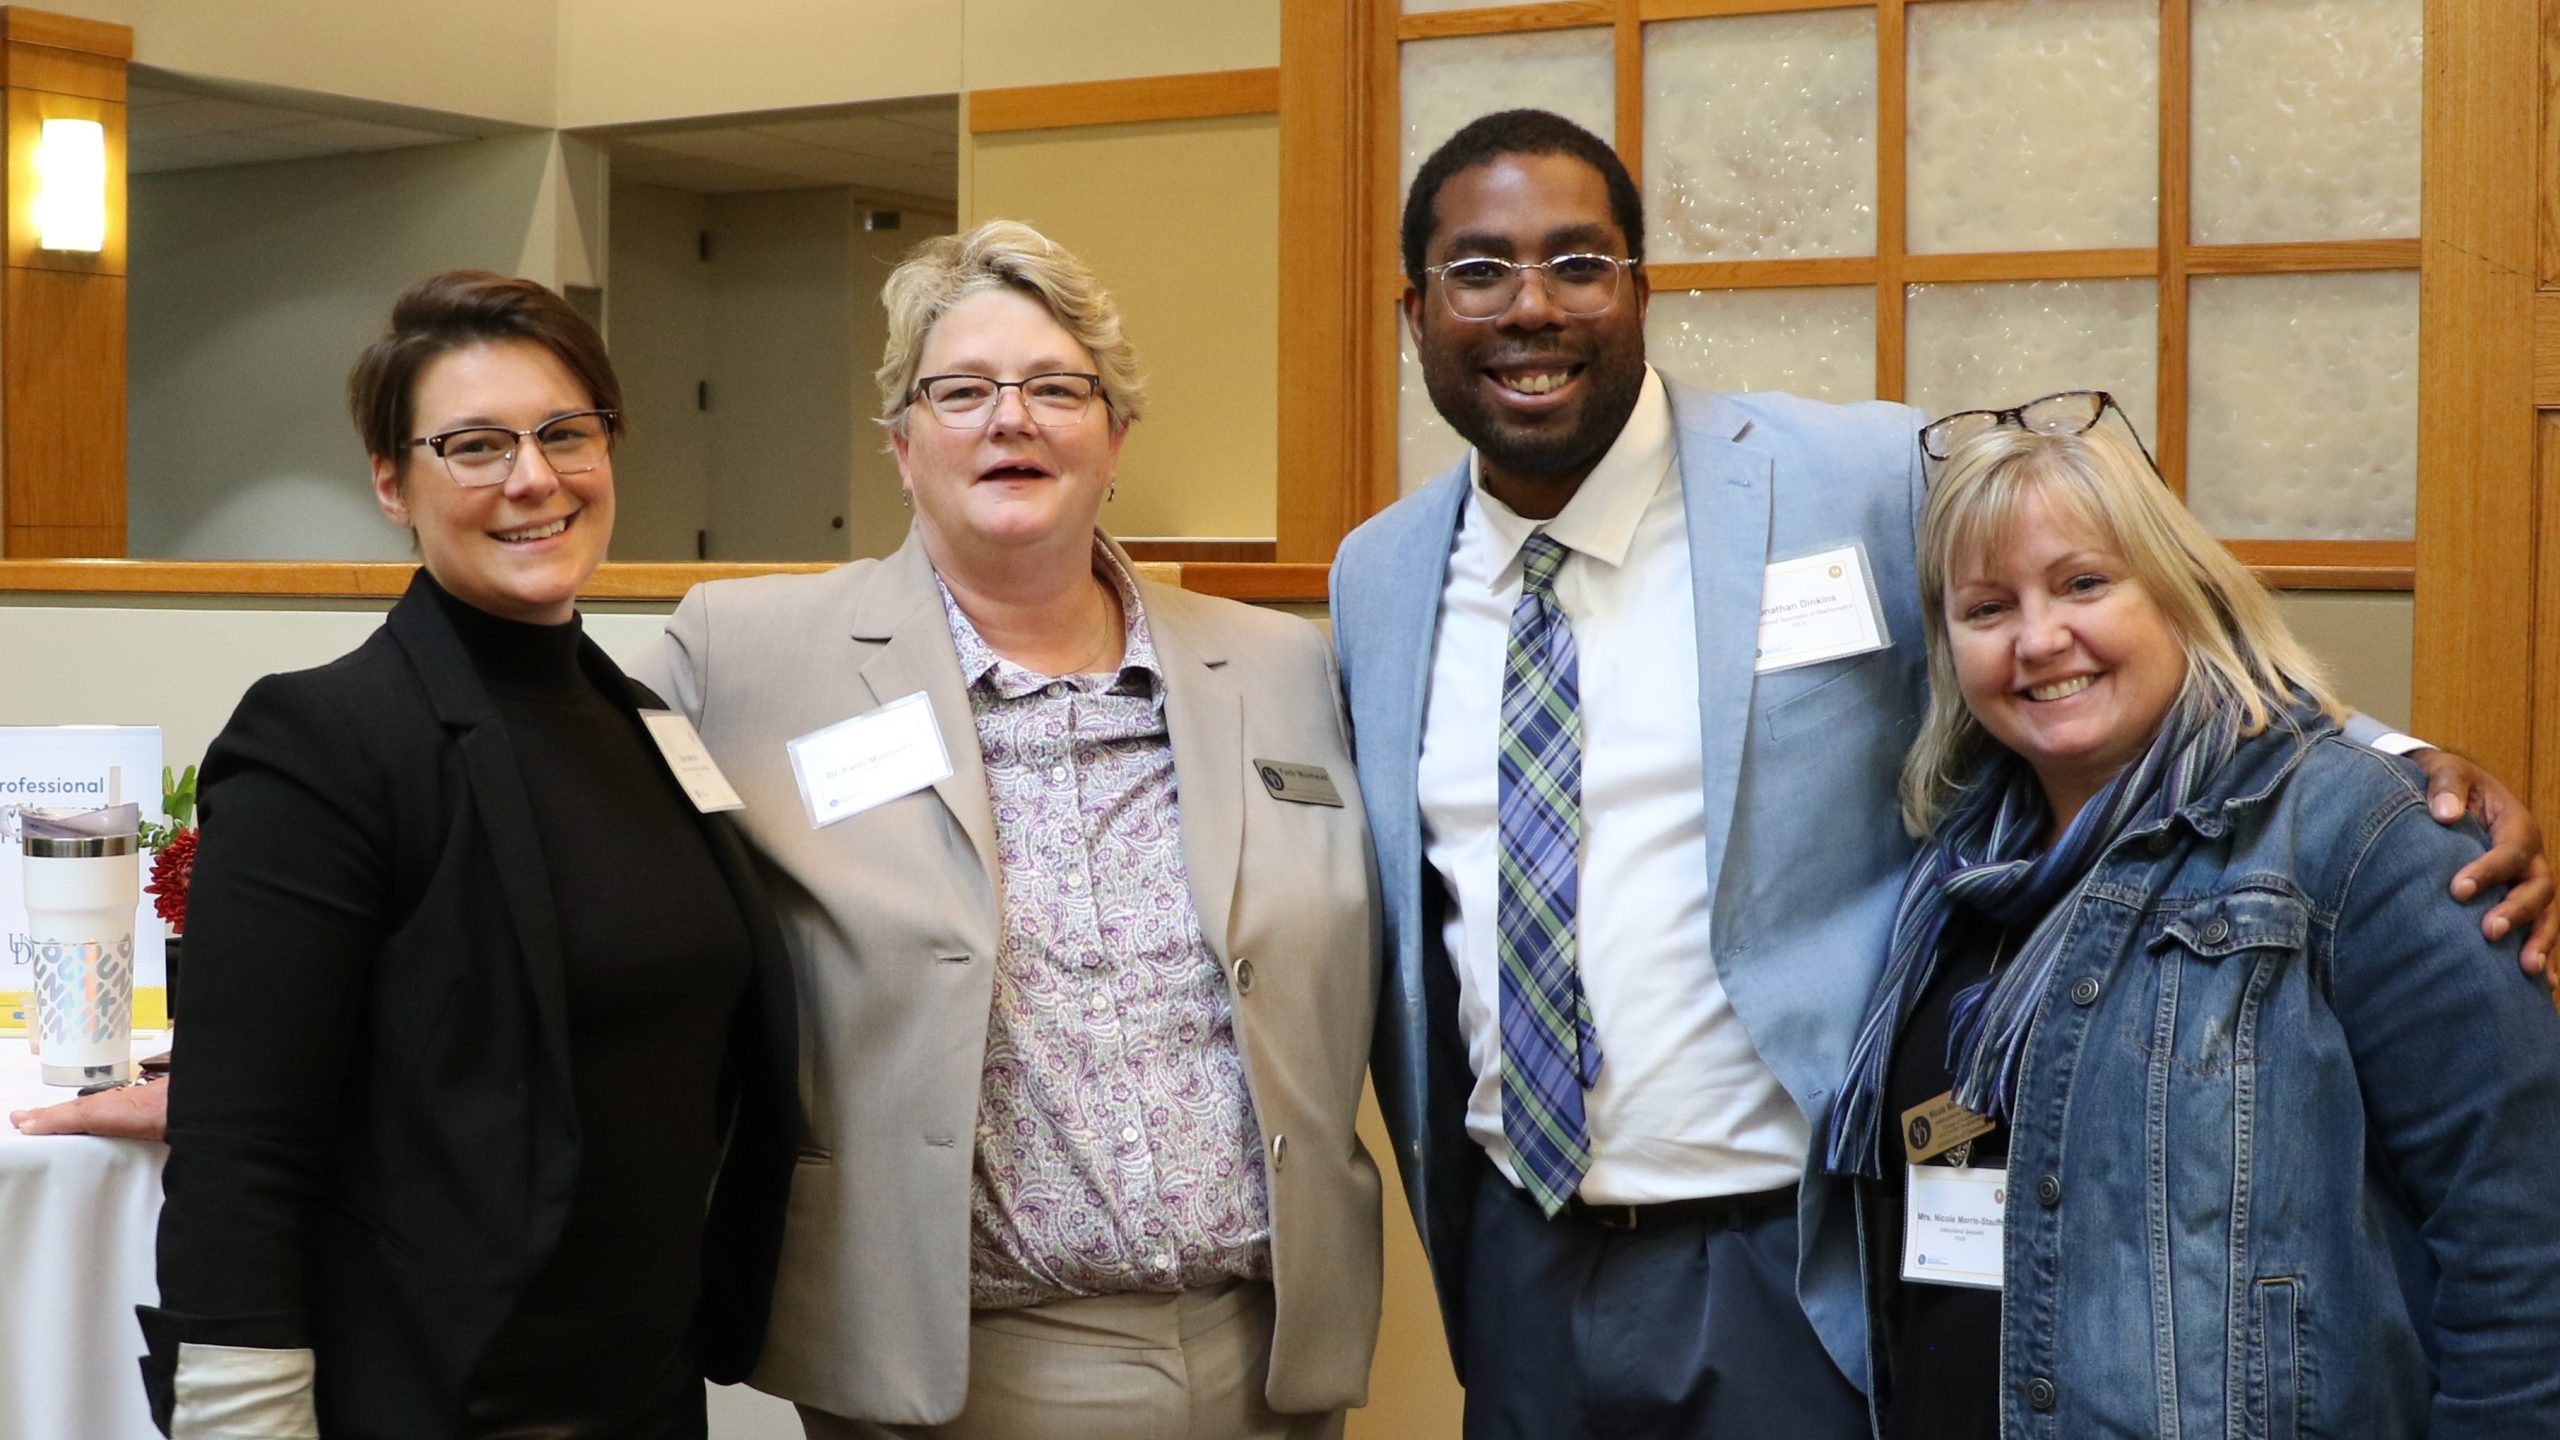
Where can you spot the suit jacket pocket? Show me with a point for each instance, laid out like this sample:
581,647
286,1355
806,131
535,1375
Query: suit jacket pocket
1844,685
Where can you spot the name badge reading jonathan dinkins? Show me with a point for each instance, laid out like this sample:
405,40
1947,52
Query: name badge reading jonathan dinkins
1305,784
1819,607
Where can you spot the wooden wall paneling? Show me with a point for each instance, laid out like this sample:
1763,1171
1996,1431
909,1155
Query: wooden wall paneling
1505,19
2546,350
2542,791
2330,564
1200,96
1326,217
2547,190
1629,46
2476,599
1384,116
1893,74
62,368
2170,372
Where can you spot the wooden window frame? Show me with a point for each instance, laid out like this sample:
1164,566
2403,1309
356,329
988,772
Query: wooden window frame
1362,402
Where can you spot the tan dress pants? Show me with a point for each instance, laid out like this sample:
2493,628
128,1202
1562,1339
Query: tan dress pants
1117,1367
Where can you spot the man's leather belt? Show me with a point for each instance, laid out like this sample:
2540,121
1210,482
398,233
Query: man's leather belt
1705,1210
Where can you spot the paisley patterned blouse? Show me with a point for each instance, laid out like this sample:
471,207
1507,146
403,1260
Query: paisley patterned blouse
1116,1144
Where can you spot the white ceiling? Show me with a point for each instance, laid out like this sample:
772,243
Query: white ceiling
168,128
906,150
901,149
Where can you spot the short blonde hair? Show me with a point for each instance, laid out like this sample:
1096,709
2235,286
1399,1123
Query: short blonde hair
2240,657
1002,255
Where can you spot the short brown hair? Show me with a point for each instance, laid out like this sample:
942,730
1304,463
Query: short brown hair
452,310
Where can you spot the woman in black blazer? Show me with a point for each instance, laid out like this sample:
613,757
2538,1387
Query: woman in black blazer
488,1113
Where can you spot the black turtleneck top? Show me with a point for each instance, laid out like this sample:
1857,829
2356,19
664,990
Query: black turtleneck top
656,960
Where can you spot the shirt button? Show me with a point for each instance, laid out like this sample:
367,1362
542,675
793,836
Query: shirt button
2159,843
2048,1190
1244,977
1130,1134
2040,1396
1057,772
2216,930
2084,991
1279,1150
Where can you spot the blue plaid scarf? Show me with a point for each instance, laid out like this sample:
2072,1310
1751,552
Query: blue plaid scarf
1984,856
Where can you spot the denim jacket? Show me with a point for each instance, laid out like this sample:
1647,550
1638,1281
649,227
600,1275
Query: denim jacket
2287,1138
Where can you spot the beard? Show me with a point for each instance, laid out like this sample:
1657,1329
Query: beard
1563,448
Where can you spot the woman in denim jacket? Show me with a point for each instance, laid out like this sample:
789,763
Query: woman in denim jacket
2188,1105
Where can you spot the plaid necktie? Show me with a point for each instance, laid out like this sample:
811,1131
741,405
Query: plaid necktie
1550,1054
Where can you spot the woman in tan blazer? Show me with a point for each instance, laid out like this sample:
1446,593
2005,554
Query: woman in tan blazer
1086,946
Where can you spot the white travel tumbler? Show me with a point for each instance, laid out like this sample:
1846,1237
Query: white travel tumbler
81,892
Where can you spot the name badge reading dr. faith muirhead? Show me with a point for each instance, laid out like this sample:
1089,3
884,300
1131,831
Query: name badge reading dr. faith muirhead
1305,784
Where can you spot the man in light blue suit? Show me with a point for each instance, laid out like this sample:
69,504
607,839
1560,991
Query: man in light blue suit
1637,835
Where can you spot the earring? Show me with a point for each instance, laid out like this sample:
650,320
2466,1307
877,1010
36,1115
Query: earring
905,500
1111,494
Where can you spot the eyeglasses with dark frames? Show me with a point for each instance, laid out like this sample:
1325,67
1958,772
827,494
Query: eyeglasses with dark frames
1480,287
481,455
1052,399
2064,412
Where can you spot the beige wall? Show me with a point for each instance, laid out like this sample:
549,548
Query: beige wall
1181,219
1038,42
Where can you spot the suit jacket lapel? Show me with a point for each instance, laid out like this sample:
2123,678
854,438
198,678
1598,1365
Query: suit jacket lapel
489,766
1407,630
1204,721
902,615
1725,489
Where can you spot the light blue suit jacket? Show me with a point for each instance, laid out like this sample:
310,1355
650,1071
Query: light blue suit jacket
1804,848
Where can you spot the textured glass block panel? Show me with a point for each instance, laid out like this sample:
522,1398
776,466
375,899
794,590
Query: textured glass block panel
1447,83
1760,136
1988,347
1425,445
2035,125
2306,119
2302,405
1818,342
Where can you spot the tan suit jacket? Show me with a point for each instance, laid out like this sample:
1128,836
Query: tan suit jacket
891,917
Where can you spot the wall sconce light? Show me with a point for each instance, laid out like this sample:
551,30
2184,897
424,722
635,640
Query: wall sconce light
71,186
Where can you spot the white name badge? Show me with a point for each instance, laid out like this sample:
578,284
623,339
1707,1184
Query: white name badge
694,769
1952,1219
869,760
1819,607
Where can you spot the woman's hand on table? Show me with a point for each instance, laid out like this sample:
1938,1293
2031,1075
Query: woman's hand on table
128,1112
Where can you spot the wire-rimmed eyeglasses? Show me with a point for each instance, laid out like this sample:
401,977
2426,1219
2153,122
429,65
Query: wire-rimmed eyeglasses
2064,412
571,444
1480,287
1052,399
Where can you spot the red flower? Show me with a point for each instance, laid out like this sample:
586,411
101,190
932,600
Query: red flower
170,871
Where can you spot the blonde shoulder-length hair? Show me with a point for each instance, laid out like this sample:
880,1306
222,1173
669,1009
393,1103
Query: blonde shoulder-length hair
1002,255
2240,657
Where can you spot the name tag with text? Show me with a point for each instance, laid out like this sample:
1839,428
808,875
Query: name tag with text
869,760
1819,607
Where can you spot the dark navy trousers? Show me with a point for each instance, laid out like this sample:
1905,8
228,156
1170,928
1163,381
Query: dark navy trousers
1679,1332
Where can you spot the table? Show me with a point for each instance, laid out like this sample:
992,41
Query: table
77,1218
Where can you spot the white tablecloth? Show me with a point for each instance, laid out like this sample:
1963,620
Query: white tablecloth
77,1215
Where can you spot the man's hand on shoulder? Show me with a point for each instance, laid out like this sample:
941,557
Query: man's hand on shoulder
2456,787
129,1112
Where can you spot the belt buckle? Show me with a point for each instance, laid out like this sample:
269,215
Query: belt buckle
1612,1217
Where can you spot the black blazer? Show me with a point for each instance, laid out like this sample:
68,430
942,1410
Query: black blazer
373,1146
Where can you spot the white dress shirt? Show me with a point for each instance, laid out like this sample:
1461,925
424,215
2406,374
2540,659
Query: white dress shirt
1685,1107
